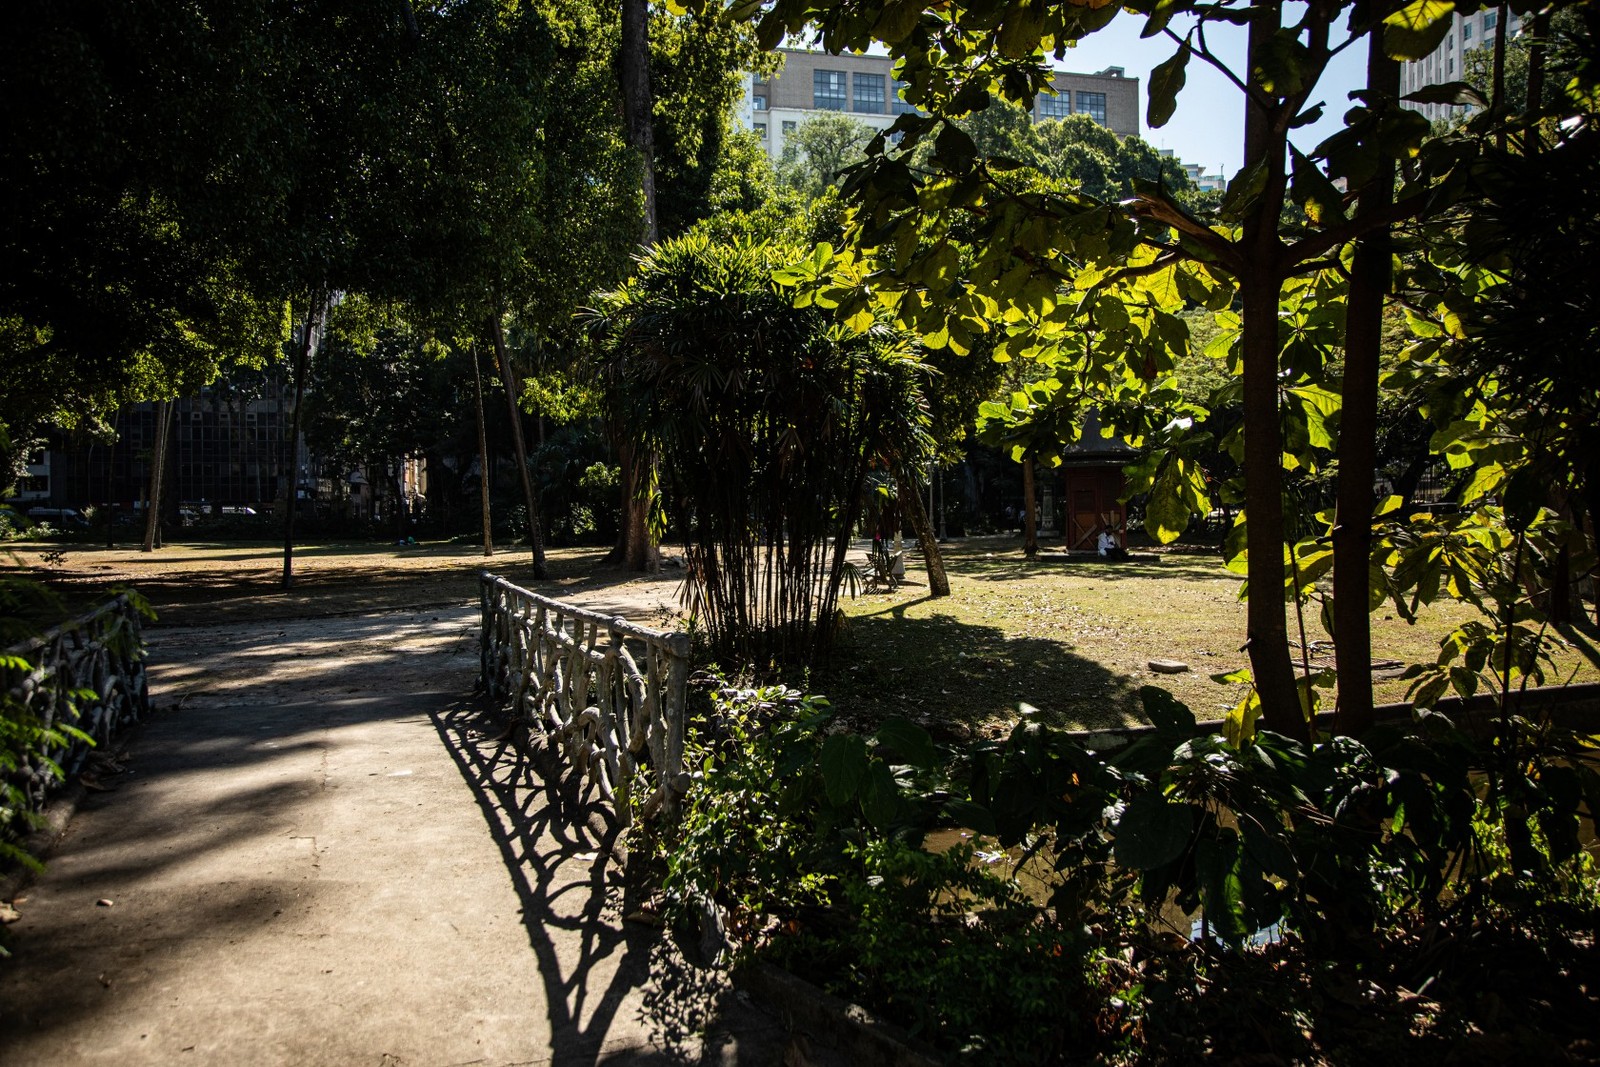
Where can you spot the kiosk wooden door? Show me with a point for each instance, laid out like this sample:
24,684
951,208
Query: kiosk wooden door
1091,496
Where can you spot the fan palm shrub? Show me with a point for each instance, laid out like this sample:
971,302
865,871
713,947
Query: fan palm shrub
766,419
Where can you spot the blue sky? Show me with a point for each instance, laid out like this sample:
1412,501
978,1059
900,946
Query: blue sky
1208,127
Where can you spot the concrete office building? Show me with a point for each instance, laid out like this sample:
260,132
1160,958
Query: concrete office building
1447,63
864,88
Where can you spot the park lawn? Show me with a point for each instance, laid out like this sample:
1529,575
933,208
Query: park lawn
1074,640
212,582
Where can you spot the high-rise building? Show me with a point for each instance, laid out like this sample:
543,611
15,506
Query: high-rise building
1447,63
864,88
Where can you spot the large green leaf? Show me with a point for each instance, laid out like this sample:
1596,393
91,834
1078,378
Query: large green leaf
1416,29
1282,64
910,742
1244,190
1239,725
1166,710
880,797
1217,864
1019,34
844,765
1458,93
1311,189
1152,832
1166,81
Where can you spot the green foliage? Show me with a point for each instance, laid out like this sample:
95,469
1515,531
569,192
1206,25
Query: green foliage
819,149
948,235
804,837
766,419
30,744
818,845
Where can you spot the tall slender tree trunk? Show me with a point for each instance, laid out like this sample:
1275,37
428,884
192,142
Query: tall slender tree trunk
316,307
906,491
158,469
167,502
635,548
1538,48
483,452
633,69
530,492
1267,629
1358,433
1030,512
111,501
1497,93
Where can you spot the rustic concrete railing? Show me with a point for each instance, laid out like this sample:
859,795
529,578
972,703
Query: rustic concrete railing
571,673
87,674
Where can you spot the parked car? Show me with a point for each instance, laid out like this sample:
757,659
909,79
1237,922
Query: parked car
60,518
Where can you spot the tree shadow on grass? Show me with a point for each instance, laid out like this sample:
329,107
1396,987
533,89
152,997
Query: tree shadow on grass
956,676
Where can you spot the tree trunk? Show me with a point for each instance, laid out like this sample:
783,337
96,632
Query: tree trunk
111,501
633,70
1497,91
641,553
1030,513
530,493
911,501
1537,50
1358,433
402,514
167,509
158,466
315,306
483,452
635,549
1268,634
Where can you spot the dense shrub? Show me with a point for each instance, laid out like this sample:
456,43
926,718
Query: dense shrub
1066,921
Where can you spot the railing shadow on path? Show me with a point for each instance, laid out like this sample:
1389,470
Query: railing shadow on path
550,825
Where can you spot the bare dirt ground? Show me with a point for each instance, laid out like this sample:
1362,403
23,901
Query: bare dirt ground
1073,640
212,583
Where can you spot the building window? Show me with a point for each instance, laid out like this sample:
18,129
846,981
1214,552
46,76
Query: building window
1466,31
1055,106
1449,44
1490,20
788,126
869,94
1452,65
1093,105
759,103
828,91
761,130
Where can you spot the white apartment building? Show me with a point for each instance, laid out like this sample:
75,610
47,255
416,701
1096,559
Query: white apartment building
1447,63
1197,173
864,87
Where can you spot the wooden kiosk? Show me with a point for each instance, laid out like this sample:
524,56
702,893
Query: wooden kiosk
1091,471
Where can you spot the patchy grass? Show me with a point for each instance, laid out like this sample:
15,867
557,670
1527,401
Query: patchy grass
200,583
1072,639
1075,639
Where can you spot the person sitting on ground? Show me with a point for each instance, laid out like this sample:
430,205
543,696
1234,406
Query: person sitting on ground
1109,549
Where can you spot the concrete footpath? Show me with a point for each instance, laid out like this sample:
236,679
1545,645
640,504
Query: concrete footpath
318,854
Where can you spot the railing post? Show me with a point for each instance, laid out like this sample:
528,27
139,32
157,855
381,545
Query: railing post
595,702
100,653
